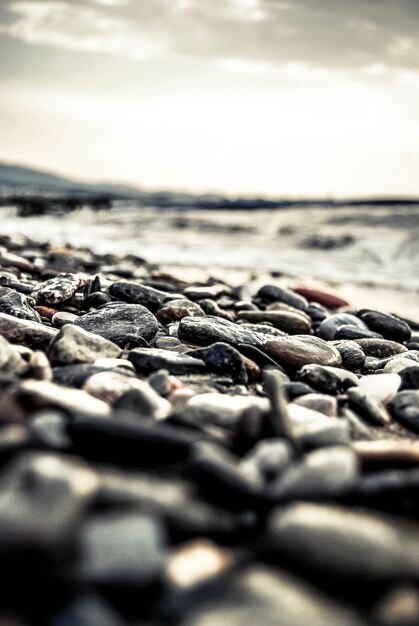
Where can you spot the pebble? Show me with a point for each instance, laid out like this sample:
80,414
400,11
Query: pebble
32,334
322,403
327,379
18,305
330,326
405,407
61,318
335,541
353,357
380,348
149,360
287,321
388,326
381,387
124,324
59,289
221,357
134,293
368,406
41,394
329,300
75,345
273,293
177,309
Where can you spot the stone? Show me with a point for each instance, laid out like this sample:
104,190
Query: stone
31,334
175,310
409,377
273,293
368,406
134,293
341,543
322,403
405,408
40,394
222,358
42,499
221,409
59,289
122,549
39,366
75,345
381,387
11,361
124,324
329,300
287,321
380,348
326,380
199,292
271,457
352,333
259,594
111,387
353,357
387,452
17,305
331,325
149,360
61,318
388,326
324,473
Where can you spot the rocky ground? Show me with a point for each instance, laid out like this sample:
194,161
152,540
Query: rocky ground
179,453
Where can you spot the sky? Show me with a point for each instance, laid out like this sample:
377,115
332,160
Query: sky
303,98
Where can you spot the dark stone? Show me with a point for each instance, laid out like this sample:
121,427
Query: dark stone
410,378
95,300
388,326
405,407
222,358
133,293
353,357
368,407
324,380
149,360
124,324
380,348
330,325
273,293
287,321
352,333
175,310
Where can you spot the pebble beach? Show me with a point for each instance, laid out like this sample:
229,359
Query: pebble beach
180,449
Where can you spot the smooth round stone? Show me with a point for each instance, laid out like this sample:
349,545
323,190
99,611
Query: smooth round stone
368,407
211,307
177,309
325,404
148,360
381,387
199,292
346,544
301,350
316,312
61,318
124,324
287,321
380,348
273,293
352,333
388,326
410,377
353,357
325,473
331,324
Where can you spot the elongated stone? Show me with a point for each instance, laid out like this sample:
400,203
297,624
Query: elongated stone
134,293
26,332
388,326
287,321
148,360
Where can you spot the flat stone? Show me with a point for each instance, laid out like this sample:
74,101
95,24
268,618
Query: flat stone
76,345
59,289
124,324
134,293
287,321
148,360
346,544
26,332
39,394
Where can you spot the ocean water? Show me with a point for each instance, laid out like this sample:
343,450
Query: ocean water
370,247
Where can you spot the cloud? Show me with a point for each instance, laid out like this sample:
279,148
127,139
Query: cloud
260,35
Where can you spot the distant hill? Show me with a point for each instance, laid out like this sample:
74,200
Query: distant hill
20,179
